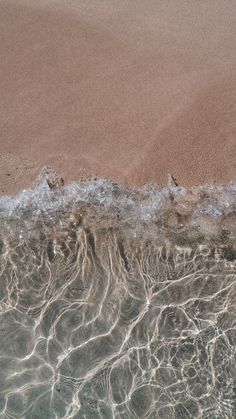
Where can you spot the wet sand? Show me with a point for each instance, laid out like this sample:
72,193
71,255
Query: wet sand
127,90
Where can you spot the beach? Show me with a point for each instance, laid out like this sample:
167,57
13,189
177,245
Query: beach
126,91
117,209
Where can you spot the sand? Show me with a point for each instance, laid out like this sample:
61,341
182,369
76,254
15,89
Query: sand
127,90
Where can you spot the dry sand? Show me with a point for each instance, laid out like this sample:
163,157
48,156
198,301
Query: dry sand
131,90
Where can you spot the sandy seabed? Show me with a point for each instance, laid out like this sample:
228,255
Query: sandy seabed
117,302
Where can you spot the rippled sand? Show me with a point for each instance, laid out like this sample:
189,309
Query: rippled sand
118,303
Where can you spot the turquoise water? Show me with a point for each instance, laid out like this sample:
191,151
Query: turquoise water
118,303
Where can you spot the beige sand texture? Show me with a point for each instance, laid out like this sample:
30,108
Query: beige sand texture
131,90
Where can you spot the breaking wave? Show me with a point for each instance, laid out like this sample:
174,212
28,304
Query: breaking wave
118,302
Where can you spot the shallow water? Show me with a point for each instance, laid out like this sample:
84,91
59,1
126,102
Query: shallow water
118,303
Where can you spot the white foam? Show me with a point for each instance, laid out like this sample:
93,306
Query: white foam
144,203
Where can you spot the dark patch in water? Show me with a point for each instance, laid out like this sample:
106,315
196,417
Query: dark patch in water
229,253
122,253
50,251
1,246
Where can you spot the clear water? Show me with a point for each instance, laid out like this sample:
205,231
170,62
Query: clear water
118,303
